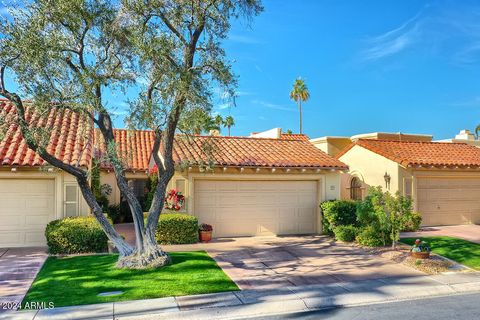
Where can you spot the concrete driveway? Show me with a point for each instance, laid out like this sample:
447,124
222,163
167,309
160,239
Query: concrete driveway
18,268
277,262
470,232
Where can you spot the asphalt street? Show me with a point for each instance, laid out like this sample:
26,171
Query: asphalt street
461,307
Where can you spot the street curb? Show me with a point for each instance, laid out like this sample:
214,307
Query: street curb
250,303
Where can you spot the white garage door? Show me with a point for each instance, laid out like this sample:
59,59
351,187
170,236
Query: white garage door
448,201
26,206
248,208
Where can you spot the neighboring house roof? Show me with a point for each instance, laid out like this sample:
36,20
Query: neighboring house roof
70,137
251,152
294,136
416,154
133,146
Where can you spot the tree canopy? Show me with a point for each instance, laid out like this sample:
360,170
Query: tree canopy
73,53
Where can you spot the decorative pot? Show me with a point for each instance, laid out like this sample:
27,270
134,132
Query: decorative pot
420,255
111,247
205,236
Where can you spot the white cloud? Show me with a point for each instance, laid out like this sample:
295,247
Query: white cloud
273,106
449,31
473,102
243,39
393,41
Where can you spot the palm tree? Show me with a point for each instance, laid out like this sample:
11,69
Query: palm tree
218,120
228,122
299,93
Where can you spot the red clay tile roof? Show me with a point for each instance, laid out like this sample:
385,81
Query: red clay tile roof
437,154
294,136
133,146
251,152
70,138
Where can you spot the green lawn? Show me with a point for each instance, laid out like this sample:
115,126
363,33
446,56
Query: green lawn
462,251
77,280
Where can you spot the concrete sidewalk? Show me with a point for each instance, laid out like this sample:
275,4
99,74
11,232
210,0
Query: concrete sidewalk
231,305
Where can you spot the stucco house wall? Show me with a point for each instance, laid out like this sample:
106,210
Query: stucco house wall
370,168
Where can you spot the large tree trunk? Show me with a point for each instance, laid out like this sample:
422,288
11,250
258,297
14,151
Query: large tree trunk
147,253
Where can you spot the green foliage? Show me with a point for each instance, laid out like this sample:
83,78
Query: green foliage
177,228
370,237
411,221
345,233
75,235
388,214
299,91
338,213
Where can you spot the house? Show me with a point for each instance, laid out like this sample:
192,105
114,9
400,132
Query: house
464,136
32,193
443,179
241,185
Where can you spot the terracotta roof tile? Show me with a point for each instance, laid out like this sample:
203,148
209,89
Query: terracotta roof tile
437,154
294,136
251,152
69,137
133,146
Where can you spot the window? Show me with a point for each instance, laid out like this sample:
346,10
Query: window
139,188
355,189
71,200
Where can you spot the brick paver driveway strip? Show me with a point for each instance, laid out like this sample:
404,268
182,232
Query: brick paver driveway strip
18,268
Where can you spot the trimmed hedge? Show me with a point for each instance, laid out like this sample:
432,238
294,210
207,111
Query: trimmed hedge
338,213
75,235
345,233
177,228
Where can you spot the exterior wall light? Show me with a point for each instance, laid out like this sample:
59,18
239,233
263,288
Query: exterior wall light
387,180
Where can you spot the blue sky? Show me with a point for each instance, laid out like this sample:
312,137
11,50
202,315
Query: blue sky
408,66
371,65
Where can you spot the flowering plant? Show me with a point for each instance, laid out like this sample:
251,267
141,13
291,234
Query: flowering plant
174,200
205,227
420,246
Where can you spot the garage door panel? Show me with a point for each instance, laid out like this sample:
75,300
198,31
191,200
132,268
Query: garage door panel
26,206
448,201
257,207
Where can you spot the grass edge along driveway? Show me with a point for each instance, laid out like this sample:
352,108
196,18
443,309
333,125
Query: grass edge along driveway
459,250
77,280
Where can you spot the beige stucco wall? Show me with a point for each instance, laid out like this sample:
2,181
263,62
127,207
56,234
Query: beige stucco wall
61,180
370,168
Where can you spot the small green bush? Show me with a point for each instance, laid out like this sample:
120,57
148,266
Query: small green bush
411,221
338,213
371,237
345,233
75,235
177,228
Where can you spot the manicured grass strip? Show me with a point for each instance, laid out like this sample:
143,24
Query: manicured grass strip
462,251
77,280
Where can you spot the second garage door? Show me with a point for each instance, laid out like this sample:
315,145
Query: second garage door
26,206
248,208
448,201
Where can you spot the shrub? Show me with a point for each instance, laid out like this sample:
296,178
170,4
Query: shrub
345,233
75,235
411,221
177,228
370,237
338,213
205,227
